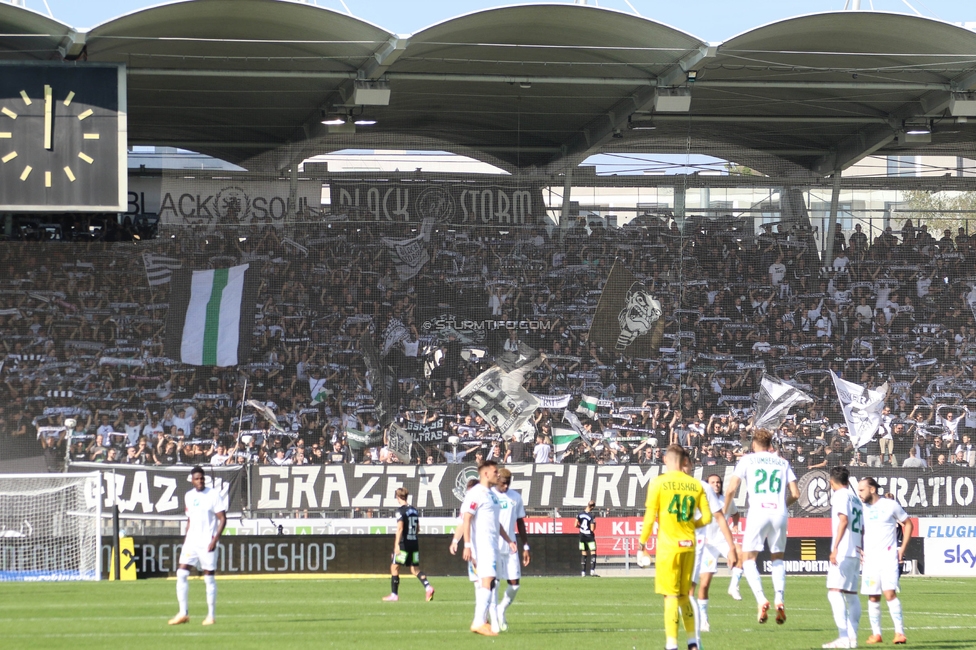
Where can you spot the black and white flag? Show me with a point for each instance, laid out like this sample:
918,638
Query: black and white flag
399,441
395,333
517,364
862,408
159,268
410,255
500,399
628,318
776,398
383,385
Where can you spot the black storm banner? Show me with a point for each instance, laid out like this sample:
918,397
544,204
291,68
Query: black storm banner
448,203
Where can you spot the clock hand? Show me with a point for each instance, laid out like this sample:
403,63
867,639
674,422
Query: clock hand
48,117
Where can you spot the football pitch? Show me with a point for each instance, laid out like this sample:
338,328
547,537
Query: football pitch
563,613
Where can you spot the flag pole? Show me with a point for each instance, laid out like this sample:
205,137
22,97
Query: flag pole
240,420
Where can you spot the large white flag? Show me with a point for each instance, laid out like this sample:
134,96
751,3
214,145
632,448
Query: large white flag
862,408
776,398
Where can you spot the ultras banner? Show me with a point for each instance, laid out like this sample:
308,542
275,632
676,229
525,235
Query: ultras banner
158,491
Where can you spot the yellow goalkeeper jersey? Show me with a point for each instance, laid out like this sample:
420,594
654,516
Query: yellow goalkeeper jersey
673,499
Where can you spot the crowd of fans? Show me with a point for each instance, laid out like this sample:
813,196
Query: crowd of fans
84,371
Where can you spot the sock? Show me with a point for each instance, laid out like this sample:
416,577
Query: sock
853,615
423,580
493,605
703,608
182,589
509,596
585,563
689,614
671,621
593,562
394,585
211,582
736,576
751,572
779,580
481,596
838,605
874,616
894,608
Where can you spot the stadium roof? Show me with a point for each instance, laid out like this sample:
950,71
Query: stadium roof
534,88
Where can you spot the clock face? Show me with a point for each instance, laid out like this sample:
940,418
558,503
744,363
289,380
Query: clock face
62,137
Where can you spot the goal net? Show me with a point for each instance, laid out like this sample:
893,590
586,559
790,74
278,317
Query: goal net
50,527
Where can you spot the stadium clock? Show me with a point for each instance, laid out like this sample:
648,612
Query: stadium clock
62,137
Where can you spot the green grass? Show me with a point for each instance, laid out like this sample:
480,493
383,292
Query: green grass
564,613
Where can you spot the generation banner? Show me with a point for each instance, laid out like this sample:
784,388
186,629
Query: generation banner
159,491
943,492
444,202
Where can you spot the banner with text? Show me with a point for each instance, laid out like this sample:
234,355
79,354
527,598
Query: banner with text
208,202
155,491
444,202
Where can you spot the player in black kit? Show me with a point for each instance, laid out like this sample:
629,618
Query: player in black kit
406,547
586,522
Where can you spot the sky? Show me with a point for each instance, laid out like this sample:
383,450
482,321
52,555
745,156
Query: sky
710,20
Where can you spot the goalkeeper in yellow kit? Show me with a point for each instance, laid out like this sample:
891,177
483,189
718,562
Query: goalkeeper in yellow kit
673,500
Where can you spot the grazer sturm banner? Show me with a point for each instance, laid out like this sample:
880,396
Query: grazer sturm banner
947,492
443,486
444,202
209,202
159,490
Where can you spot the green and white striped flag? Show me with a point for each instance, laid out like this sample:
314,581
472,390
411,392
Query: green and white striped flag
211,316
588,405
561,439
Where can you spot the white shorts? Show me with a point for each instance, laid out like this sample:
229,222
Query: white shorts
843,575
762,527
197,555
710,556
484,565
509,566
879,573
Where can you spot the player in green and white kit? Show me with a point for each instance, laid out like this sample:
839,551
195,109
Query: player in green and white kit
771,486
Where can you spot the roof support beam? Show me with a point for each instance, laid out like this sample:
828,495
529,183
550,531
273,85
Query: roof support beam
72,45
854,148
678,74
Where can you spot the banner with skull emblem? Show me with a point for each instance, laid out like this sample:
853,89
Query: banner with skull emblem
628,318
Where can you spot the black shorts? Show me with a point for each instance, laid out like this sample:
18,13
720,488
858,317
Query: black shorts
407,557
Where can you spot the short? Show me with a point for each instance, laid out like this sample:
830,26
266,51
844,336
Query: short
588,545
509,566
880,573
673,572
485,565
710,556
407,558
843,575
761,527
197,555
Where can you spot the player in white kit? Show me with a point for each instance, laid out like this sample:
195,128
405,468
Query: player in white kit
481,529
714,542
882,557
512,519
206,517
771,486
847,529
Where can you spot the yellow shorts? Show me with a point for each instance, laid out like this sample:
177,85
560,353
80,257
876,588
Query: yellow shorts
672,572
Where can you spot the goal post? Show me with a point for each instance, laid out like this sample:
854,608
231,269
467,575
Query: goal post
50,527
